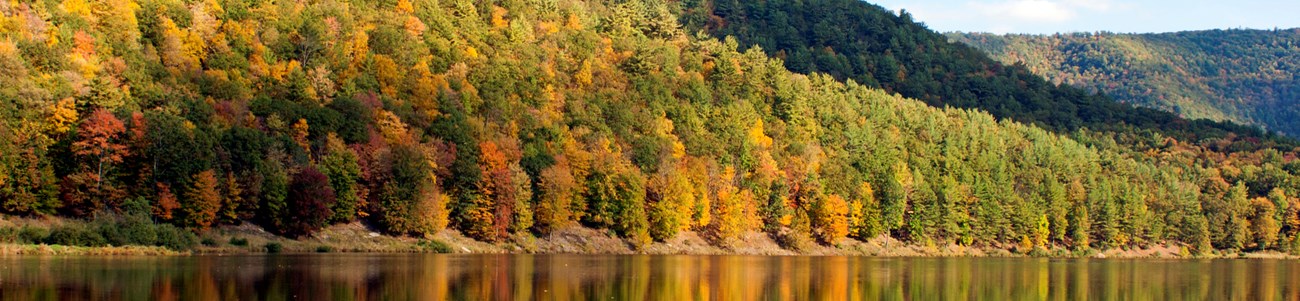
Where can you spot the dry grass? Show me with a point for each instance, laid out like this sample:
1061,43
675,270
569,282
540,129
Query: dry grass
57,250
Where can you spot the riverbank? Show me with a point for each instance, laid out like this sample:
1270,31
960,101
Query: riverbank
358,238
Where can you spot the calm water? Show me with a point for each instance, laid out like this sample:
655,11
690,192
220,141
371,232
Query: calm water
571,277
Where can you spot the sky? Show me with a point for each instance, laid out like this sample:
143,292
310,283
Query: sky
1133,16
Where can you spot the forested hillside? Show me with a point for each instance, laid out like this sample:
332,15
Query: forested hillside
851,39
1245,76
508,119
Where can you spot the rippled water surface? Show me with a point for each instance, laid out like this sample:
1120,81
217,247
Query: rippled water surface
586,277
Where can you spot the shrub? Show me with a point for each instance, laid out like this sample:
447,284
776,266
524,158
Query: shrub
238,241
208,241
324,249
75,236
434,246
274,247
32,235
175,238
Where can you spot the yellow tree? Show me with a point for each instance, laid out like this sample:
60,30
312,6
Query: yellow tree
830,219
202,201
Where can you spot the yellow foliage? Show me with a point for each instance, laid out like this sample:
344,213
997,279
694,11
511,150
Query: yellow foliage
583,76
390,126
547,28
471,53
300,130
499,17
62,115
387,74
573,23
757,137
405,6
831,219
79,8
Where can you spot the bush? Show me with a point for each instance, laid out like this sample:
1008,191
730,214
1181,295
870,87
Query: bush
324,249
237,241
75,236
32,235
434,246
274,247
175,238
8,235
208,241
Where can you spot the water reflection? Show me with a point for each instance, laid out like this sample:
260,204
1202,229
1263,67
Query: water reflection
571,277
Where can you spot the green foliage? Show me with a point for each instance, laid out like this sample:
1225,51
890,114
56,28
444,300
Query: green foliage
613,115
434,246
273,247
110,229
1227,75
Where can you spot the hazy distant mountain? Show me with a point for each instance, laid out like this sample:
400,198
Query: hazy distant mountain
1246,76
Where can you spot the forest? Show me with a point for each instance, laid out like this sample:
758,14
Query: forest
507,120
1244,76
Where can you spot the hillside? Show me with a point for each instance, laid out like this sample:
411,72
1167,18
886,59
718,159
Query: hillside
510,119
851,39
1244,76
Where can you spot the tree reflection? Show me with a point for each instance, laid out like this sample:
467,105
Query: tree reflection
584,277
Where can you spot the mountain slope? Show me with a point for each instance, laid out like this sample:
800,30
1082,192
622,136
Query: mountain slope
1245,76
856,40
509,119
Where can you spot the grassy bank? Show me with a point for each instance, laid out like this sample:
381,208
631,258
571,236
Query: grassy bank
116,235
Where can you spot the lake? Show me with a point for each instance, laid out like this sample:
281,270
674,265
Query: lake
587,277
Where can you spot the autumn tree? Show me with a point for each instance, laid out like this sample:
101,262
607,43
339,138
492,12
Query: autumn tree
1263,223
615,194
165,204
830,219
557,193
98,141
507,188
309,200
202,201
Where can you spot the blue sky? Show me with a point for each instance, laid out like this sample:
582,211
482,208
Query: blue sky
1052,16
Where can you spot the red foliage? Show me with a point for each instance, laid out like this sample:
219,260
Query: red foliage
166,203
310,198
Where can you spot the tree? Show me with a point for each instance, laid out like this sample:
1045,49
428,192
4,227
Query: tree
671,203
97,139
202,201
557,191
309,201
340,165
830,219
870,225
166,203
1263,223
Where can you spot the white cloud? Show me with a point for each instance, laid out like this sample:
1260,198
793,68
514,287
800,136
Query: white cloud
1029,10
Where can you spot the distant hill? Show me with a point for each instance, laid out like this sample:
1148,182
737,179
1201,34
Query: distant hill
1244,76
856,40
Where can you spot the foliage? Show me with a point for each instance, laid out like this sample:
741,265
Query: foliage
1217,74
504,118
310,199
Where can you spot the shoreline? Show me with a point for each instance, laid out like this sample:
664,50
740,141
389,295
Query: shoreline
357,239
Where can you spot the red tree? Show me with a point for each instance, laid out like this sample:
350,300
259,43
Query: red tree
97,139
310,197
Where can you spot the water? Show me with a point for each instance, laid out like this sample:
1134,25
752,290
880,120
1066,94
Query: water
586,277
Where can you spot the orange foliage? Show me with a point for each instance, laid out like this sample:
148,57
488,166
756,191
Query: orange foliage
166,204
202,201
831,219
